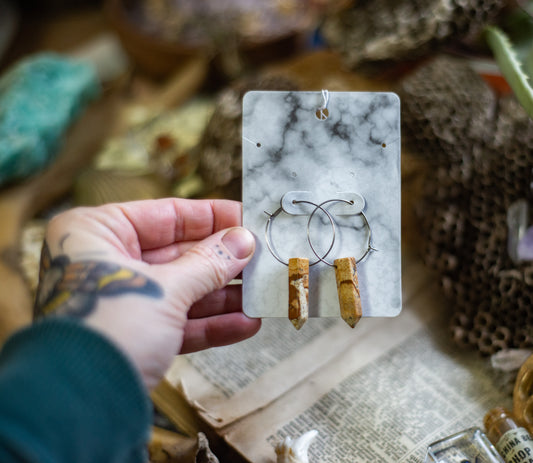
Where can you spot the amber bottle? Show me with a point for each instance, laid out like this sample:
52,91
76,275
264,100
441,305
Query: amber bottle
512,441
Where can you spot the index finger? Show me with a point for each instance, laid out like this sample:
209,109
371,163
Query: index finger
161,222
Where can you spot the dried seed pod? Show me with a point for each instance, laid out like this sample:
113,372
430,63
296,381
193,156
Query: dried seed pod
509,283
460,337
502,334
474,335
523,338
445,117
528,275
485,344
461,320
219,150
387,30
481,153
484,321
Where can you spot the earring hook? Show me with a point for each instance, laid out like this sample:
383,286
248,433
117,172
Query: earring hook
367,225
271,218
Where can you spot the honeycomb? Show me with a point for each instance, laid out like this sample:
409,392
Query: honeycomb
374,31
480,148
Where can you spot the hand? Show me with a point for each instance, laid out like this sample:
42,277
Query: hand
152,276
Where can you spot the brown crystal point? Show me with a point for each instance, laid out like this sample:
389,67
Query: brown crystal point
348,290
298,291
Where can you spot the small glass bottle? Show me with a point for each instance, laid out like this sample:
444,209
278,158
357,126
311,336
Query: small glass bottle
512,441
468,446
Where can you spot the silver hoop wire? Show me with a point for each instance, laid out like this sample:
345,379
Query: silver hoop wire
319,206
271,218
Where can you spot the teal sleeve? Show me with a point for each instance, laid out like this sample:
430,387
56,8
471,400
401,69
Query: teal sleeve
68,395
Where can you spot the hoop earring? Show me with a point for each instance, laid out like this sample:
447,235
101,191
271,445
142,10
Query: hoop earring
345,273
298,271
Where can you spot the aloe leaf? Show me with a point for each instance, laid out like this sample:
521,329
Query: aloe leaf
517,24
510,66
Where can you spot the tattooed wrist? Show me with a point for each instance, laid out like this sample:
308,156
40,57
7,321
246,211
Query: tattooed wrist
74,288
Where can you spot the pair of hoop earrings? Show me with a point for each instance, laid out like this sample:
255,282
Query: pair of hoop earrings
345,270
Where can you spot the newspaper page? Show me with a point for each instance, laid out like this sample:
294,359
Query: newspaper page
225,384
228,383
400,387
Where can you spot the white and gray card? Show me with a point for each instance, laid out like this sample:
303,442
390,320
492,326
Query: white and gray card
289,147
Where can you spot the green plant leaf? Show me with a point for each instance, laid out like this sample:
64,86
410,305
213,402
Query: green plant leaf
511,66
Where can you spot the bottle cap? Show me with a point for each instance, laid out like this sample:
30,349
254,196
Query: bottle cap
494,415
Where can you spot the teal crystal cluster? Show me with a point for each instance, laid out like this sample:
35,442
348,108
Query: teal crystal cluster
39,98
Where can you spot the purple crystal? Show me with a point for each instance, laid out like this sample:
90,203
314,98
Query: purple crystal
525,246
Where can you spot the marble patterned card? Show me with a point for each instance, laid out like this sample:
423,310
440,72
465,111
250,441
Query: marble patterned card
353,152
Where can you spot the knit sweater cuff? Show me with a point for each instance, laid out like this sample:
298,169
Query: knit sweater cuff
76,395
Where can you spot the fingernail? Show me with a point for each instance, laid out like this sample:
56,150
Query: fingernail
239,242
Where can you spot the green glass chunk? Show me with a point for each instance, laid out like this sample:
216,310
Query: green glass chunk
39,98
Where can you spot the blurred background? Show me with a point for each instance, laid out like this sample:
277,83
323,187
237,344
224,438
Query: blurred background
117,100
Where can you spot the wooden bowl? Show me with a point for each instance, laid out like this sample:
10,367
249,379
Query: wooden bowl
159,57
151,53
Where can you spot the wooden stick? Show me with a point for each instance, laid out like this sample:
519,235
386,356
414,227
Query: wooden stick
170,447
348,290
182,85
298,291
172,403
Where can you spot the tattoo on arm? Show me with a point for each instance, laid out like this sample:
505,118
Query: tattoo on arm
73,288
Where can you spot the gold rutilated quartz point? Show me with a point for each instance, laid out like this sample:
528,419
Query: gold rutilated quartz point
348,290
298,291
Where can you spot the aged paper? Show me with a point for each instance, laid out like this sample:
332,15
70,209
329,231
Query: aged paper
385,402
380,392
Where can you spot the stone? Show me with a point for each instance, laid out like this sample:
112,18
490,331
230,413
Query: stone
39,99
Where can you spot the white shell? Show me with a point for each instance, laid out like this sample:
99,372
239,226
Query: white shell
510,359
295,451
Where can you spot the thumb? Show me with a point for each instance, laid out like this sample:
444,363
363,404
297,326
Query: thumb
209,265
